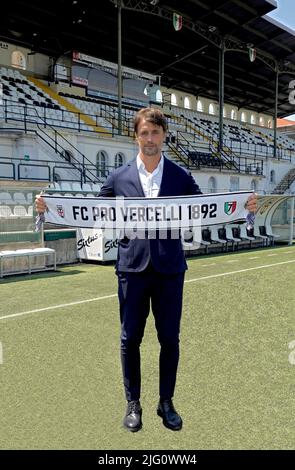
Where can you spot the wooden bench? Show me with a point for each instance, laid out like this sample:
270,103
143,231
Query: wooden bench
29,254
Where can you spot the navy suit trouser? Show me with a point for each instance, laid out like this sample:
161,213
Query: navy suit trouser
137,291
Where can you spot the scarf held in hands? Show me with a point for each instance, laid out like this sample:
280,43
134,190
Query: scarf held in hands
142,213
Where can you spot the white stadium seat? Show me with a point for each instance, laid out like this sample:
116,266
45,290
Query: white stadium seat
5,211
20,211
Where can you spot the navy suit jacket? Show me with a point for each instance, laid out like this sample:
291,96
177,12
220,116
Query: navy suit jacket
134,255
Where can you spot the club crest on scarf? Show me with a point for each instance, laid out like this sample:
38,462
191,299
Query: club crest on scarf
60,211
230,207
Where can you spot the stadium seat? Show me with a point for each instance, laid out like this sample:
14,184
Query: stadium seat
20,211
86,187
233,234
29,198
76,186
216,237
57,186
5,211
206,238
5,198
222,235
260,232
19,198
187,238
272,236
96,187
245,235
65,186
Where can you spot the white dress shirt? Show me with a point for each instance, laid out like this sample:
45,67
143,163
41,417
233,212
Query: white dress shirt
150,182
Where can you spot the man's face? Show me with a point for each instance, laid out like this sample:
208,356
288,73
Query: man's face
150,138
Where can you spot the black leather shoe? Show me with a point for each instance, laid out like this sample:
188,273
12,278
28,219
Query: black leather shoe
132,420
171,418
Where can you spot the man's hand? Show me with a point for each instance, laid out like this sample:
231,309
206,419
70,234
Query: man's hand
40,204
251,204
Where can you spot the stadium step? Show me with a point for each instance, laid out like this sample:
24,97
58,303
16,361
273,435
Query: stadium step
11,185
70,107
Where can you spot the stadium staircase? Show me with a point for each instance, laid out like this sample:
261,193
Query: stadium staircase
186,152
285,183
78,162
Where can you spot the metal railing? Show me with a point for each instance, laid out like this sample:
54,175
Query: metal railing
49,170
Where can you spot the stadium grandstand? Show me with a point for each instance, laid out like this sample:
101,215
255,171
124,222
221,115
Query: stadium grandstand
221,76
72,76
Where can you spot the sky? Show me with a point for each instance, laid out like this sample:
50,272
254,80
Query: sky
285,13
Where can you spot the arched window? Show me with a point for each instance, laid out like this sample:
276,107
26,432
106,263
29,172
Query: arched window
200,106
173,99
187,103
272,176
233,114
224,113
212,185
18,60
119,159
243,117
101,163
211,108
234,184
269,123
159,96
253,185
253,119
261,121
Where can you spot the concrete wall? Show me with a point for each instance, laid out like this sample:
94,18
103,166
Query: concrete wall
34,63
180,98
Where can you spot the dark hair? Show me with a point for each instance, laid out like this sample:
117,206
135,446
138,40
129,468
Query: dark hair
153,115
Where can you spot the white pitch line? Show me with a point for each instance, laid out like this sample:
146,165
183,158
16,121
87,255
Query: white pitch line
237,272
58,306
79,302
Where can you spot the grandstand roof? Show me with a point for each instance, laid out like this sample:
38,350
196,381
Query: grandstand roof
285,123
186,60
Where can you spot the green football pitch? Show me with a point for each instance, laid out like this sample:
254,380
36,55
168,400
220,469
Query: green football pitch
61,385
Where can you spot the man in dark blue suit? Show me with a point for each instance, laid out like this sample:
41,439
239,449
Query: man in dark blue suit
150,270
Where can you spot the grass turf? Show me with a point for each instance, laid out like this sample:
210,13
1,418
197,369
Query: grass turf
61,375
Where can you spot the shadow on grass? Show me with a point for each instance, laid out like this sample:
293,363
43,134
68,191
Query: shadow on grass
38,275
62,270
235,251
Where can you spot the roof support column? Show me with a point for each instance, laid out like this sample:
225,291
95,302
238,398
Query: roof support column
275,113
119,5
221,94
